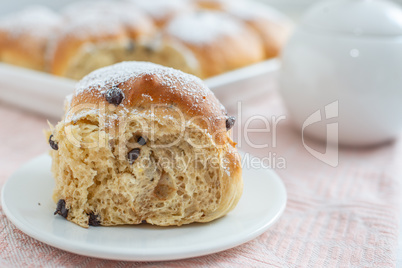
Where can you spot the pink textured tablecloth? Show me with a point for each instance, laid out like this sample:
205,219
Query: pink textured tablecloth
344,216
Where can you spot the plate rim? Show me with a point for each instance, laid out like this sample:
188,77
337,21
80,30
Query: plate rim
81,249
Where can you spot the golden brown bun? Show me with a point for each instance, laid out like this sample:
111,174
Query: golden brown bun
24,36
219,42
186,170
94,34
272,26
97,35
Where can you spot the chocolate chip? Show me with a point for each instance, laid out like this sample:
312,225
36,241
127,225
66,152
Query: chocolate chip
141,141
131,46
53,144
93,220
230,122
114,95
133,155
61,208
150,49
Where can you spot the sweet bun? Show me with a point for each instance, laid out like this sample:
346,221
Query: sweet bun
200,37
99,35
141,142
24,36
272,26
218,42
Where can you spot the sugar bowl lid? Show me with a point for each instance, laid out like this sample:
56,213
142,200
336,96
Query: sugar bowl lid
356,17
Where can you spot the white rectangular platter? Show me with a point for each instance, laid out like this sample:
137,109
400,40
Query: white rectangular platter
44,93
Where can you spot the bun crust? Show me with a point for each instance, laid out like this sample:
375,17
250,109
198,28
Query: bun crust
218,49
142,142
213,4
272,26
24,37
97,36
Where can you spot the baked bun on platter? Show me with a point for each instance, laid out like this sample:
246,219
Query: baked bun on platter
210,43
98,35
271,25
201,37
24,36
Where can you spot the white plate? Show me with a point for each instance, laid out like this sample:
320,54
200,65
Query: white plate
26,200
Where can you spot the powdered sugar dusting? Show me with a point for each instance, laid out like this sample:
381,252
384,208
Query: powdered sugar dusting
162,9
92,25
99,17
248,11
147,97
78,9
36,21
116,74
172,80
74,117
204,27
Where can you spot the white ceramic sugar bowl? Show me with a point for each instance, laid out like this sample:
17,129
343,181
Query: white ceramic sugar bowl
345,59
